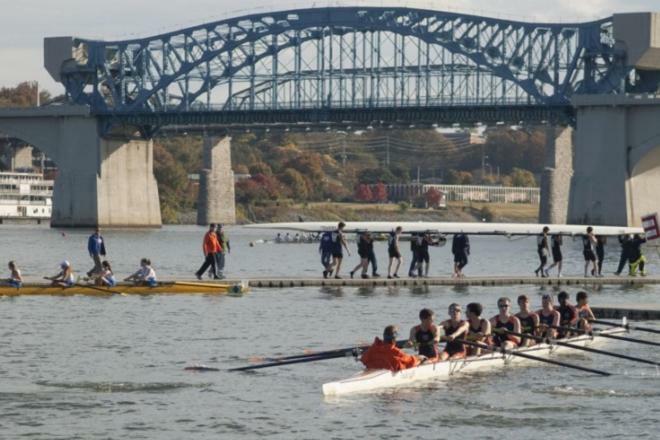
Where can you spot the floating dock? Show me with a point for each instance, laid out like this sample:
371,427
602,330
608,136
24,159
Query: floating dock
636,312
446,281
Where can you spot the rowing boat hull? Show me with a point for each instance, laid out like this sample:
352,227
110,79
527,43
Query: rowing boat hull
162,288
373,380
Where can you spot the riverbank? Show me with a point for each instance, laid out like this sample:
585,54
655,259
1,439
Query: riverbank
454,212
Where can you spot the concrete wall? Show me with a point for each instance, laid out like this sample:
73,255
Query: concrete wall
100,182
616,160
556,177
216,202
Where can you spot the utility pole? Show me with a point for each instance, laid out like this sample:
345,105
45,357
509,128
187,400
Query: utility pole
343,152
387,146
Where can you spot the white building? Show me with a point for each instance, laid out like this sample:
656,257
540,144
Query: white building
25,196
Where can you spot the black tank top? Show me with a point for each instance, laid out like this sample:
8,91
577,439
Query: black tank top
474,331
587,244
426,343
566,315
526,324
546,320
501,337
453,347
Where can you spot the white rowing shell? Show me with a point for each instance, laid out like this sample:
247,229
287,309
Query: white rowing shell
375,380
451,228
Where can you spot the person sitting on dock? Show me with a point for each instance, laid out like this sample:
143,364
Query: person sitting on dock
106,277
426,335
385,355
65,277
454,328
585,315
145,275
529,321
548,317
479,329
15,279
502,322
568,315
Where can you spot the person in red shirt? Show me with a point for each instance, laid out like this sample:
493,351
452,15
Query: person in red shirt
210,246
385,355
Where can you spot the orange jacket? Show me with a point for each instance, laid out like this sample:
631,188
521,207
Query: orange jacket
387,357
211,244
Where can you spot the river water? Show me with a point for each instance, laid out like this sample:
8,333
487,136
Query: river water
110,368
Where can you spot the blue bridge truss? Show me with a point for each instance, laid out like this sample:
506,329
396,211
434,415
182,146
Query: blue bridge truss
339,65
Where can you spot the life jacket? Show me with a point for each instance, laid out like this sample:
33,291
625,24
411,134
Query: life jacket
386,356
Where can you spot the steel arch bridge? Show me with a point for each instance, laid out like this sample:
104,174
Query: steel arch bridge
339,64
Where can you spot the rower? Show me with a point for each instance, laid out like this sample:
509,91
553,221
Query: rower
529,321
585,315
478,328
548,317
15,279
106,277
426,335
65,277
454,328
568,315
505,321
385,355
145,275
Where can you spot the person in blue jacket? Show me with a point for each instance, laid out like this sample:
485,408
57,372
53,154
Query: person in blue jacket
96,249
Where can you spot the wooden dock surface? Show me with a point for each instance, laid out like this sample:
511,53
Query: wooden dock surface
276,282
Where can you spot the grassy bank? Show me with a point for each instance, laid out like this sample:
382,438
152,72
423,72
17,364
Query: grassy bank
455,212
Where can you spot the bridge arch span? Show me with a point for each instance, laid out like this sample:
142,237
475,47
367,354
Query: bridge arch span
344,57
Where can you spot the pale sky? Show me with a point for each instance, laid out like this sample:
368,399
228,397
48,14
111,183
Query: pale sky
24,23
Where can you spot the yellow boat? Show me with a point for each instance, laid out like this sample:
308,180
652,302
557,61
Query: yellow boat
162,288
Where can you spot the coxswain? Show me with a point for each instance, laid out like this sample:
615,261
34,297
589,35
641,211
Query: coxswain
568,315
394,252
503,321
15,278
385,355
585,314
65,277
478,328
548,317
454,328
145,275
589,251
426,335
529,321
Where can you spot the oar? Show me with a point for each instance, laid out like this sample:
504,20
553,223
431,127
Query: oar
289,362
627,326
534,358
607,335
346,352
580,347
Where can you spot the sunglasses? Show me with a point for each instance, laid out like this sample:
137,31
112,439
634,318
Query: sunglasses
503,306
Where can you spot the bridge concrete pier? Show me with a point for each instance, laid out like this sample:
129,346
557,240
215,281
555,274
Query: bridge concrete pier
100,182
617,160
556,177
216,201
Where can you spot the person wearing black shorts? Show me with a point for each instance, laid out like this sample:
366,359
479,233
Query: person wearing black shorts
339,243
460,247
542,248
394,252
364,240
588,251
557,257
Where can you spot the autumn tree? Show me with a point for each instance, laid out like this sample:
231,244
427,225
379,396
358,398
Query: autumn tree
296,183
363,193
433,197
379,192
520,177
